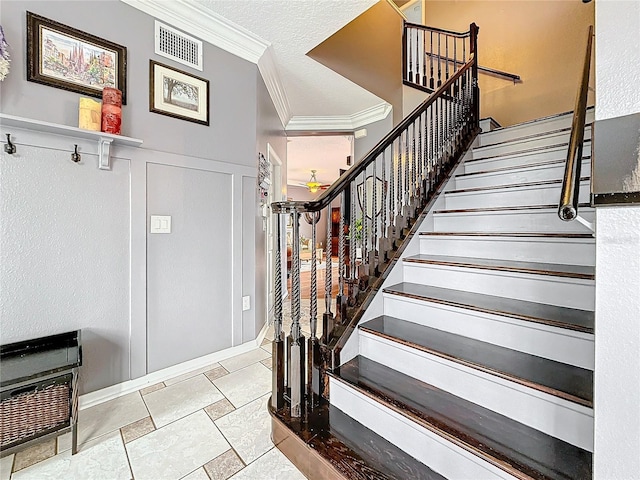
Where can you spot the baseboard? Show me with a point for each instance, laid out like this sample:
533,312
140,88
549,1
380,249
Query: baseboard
114,391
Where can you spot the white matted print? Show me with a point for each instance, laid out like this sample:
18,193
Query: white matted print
178,94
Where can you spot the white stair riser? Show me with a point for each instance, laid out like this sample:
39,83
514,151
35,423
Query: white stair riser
442,456
531,128
546,155
543,221
562,292
561,345
512,197
527,174
552,415
517,145
526,249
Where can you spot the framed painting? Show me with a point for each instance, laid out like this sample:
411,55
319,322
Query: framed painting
63,57
178,94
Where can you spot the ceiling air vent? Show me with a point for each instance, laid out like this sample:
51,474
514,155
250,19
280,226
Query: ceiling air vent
178,46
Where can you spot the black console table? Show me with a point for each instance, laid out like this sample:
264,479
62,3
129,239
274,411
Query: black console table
38,390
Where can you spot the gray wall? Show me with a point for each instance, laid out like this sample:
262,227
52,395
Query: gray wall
375,132
74,242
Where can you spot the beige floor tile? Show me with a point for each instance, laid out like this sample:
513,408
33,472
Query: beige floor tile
6,463
248,429
224,466
273,465
240,361
267,363
216,373
137,429
198,474
35,453
99,459
110,416
181,399
219,409
177,449
152,388
245,385
190,374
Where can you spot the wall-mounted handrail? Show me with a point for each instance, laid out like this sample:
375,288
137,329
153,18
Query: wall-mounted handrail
568,207
368,213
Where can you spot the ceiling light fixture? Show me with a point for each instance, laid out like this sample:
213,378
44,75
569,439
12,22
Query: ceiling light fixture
313,184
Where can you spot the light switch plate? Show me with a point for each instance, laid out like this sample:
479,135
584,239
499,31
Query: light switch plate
246,303
160,224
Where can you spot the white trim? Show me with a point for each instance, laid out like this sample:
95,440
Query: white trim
217,30
114,391
275,87
340,122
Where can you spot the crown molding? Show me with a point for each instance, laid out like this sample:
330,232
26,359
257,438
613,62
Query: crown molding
269,71
340,122
222,33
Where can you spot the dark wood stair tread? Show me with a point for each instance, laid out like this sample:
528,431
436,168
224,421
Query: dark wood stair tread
518,153
510,234
352,449
510,445
490,188
551,269
561,317
506,209
551,163
572,383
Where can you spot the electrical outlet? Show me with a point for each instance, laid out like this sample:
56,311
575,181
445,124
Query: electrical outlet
246,303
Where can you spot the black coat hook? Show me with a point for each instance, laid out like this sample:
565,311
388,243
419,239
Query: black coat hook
10,148
75,156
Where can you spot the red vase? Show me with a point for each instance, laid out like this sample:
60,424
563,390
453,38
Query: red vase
111,110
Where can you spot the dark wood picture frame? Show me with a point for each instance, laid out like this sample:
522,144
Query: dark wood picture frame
59,70
193,104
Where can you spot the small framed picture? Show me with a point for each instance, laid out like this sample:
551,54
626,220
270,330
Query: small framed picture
63,57
178,94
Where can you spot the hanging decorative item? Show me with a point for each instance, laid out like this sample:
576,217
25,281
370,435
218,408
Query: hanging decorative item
264,182
4,56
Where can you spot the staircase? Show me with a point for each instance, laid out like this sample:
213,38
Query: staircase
481,365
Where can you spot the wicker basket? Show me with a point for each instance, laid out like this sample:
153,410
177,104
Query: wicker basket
39,410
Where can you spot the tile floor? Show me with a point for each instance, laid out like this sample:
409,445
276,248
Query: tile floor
211,423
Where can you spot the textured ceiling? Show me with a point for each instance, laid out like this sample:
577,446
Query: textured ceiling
294,27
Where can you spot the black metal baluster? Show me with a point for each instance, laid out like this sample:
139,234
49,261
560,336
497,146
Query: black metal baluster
439,64
353,284
410,55
296,340
391,233
313,357
364,270
382,245
424,58
373,253
446,56
341,300
431,79
277,347
327,318
417,56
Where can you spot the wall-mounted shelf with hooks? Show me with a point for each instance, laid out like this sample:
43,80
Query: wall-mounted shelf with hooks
104,140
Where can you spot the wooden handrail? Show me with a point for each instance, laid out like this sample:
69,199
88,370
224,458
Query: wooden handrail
489,71
350,175
568,207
